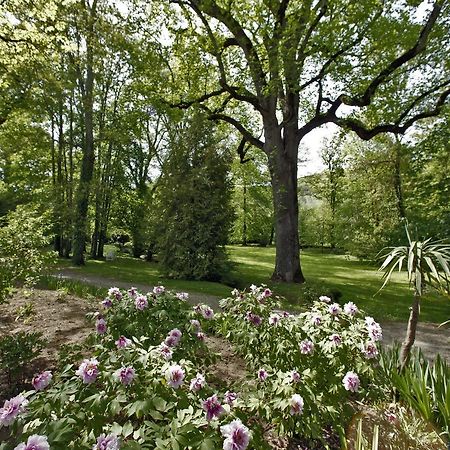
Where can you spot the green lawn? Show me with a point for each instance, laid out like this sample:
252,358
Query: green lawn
356,280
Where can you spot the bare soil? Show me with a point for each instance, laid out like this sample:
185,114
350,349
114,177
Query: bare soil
61,318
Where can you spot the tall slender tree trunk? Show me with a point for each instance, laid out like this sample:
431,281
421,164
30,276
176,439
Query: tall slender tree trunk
411,332
398,182
244,225
282,155
87,165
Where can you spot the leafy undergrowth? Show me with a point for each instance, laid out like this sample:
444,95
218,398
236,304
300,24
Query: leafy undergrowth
159,374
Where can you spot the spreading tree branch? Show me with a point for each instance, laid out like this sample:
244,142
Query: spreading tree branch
366,97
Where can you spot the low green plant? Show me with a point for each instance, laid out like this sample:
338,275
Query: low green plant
427,264
17,352
422,385
25,312
65,287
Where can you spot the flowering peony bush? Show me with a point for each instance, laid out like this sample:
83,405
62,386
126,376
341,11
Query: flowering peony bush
143,382
306,368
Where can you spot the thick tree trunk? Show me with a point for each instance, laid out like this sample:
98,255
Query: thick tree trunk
410,333
282,154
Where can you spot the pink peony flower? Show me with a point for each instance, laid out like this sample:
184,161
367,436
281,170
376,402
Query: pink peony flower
11,409
324,298
123,342
132,292
34,442
107,442
374,330
165,351
207,312
316,320
125,375
107,303
42,380
370,350
351,309
274,319
157,290
171,341
306,347
336,339
212,407
254,319
267,292
334,309
295,376
262,375
114,292
237,435
88,370
141,302
197,383
229,397
351,381
176,333
200,336
196,324
182,296
175,376
100,326
296,404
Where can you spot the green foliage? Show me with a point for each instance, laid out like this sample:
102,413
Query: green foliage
252,202
278,342
427,264
17,352
422,385
22,249
194,203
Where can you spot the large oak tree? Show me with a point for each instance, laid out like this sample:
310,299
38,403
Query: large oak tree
370,66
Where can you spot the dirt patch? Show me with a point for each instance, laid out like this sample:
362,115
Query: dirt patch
61,319
230,367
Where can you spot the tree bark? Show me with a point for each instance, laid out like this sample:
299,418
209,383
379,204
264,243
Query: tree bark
410,333
87,166
244,225
282,154
398,182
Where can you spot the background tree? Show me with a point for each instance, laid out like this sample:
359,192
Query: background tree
195,201
252,201
300,65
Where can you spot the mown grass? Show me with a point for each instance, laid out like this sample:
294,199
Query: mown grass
325,272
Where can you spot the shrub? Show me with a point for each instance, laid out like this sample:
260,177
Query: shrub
17,352
129,387
195,199
22,255
423,386
326,355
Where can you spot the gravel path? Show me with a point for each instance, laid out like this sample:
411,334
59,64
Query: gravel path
431,339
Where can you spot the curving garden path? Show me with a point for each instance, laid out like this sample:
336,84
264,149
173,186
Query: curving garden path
431,339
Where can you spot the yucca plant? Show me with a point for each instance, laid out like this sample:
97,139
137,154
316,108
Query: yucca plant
428,265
